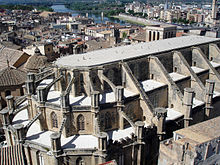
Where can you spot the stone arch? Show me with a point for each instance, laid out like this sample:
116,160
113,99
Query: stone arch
54,121
80,161
108,122
80,122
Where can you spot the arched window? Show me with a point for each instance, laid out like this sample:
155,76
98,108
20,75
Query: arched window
80,161
81,79
108,123
54,120
80,122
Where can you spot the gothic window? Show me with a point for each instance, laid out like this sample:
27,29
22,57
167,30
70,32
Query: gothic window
108,123
54,120
80,122
80,161
113,117
81,80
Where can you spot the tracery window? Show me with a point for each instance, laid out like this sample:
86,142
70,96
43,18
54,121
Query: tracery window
108,123
80,122
54,120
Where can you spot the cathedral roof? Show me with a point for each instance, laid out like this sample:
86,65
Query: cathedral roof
117,54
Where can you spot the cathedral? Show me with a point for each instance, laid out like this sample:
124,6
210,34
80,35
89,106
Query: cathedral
113,104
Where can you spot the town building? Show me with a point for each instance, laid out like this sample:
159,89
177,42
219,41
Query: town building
197,144
159,32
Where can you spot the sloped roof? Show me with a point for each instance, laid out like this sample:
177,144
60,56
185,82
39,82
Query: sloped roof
11,55
10,76
36,61
141,36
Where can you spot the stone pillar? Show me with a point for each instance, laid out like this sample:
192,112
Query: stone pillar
123,79
102,146
20,133
65,101
30,83
119,97
160,114
210,85
5,116
6,122
102,141
56,147
100,72
41,94
119,94
42,98
139,130
55,143
95,95
10,103
140,136
187,104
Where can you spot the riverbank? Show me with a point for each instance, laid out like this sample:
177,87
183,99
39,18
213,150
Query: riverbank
97,17
130,20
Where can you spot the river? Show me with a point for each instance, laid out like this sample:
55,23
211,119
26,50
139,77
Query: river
97,18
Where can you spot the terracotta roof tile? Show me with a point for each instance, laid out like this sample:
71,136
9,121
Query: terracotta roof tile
10,76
